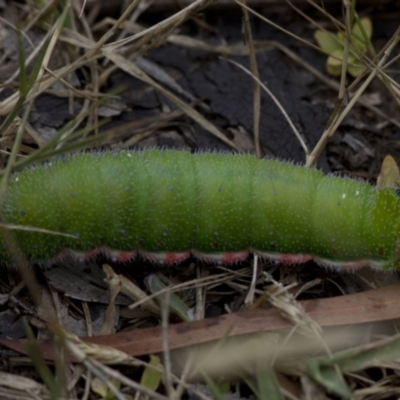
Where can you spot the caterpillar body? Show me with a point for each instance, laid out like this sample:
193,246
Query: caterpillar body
169,204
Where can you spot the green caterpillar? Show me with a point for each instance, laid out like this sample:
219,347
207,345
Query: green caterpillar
219,207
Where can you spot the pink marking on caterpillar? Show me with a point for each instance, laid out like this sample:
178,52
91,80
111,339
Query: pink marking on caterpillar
123,256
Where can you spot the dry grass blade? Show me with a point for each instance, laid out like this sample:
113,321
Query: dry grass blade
135,71
281,109
332,83
132,291
283,300
161,29
102,354
256,85
375,71
103,372
19,387
329,132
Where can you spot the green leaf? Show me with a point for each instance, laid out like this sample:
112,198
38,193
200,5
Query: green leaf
328,41
268,385
334,63
151,377
361,34
329,377
101,388
362,29
218,391
333,44
390,173
52,382
366,356
355,67
155,283
341,38
327,371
